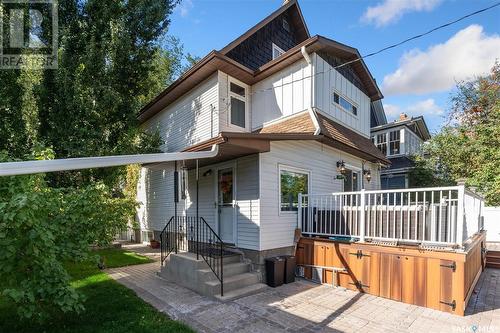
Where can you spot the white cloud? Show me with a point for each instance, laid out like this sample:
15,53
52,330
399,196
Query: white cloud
391,11
468,53
426,107
185,7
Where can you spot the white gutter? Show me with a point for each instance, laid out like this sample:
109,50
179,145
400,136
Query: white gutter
31,167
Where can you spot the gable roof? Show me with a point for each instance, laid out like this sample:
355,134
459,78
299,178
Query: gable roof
298,21
420,129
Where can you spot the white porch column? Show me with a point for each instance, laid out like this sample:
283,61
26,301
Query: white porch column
362,217
460,214
299,213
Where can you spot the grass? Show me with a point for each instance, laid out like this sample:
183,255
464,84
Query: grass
110,307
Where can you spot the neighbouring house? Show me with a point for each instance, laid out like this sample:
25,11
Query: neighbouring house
399,141
288,116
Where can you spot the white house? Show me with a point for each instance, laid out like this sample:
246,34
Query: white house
290,115
280,111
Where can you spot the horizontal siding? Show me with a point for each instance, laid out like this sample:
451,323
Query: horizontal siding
247,202
188,120
326,80
277,228
282,94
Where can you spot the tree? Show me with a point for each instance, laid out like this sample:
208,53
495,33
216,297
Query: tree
468,147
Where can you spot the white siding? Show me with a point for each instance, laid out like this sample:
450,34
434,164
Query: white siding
187,121
326,81
277,228
282,94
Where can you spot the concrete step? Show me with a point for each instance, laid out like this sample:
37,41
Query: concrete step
232,258
231,283
241,292
229,270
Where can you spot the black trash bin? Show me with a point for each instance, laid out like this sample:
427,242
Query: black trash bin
275,271
290,264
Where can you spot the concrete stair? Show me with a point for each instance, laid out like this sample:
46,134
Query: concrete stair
184,269
493,259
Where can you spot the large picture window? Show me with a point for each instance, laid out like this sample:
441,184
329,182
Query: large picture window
292,183
238,104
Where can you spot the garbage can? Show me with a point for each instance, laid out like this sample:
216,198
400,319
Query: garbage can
290,265
275,270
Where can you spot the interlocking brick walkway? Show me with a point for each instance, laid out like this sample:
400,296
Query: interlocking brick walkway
306,307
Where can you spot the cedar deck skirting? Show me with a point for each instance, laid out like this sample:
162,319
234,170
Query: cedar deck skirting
429,278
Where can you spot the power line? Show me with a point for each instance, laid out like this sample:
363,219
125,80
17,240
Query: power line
383,49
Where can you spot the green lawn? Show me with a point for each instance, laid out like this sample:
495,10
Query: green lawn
110,307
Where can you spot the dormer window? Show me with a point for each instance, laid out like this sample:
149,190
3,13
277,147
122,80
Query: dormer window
345,104
277,51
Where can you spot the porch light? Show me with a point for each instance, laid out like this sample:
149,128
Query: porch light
368,175
207,173
341,167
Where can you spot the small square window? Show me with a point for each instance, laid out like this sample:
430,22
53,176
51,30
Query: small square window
277,51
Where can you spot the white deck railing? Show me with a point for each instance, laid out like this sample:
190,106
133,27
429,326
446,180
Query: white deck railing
422,215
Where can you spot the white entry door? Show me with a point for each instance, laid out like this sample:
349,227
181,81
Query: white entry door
225,204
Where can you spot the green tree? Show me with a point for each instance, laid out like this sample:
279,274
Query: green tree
468,147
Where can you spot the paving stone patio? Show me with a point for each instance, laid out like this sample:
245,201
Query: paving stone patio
307,307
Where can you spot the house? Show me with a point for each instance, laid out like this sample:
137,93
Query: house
280,112
288,117
399,141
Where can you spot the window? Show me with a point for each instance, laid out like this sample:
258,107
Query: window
345,104
291,184
382,143
277,51
351,181
238,104
394,142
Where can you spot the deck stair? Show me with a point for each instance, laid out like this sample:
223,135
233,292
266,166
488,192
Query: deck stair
493,259
239,279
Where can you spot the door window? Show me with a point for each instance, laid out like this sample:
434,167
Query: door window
226,186
351,181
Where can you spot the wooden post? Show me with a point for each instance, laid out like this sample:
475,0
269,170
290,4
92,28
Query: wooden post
362,217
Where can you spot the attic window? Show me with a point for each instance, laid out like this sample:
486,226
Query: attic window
277,51
286,25
345,104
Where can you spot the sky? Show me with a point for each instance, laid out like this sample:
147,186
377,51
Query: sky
417,78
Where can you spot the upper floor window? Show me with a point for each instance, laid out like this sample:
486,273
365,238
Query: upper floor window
277,51
286,25
394,142
382,143
237,96
345,104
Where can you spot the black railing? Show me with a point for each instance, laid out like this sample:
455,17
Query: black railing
167,239
184,234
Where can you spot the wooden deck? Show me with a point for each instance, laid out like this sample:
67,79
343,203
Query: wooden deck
441,280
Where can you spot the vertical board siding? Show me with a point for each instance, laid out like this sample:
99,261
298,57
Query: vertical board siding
282,94
187,121
326,81
277,228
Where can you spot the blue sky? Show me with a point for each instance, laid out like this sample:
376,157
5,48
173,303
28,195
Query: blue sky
416,77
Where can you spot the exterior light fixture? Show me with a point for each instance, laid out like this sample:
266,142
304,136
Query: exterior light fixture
368,175
341,167
207,173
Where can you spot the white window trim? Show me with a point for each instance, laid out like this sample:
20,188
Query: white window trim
335,91
244,99
279,49
284,167
356,170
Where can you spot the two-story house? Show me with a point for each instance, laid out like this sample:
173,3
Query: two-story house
289,112
399,140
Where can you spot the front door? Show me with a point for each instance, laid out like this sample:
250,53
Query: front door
225,204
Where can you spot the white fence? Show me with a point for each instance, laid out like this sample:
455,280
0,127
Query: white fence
492,223
426,215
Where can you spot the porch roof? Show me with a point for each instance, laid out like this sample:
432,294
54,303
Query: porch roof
306,125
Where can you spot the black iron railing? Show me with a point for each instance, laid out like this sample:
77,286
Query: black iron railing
186,234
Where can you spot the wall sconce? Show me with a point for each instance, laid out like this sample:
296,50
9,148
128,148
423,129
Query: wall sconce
341,167
368,175
207,173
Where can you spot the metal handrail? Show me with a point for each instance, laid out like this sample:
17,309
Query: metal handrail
214,259
166,246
